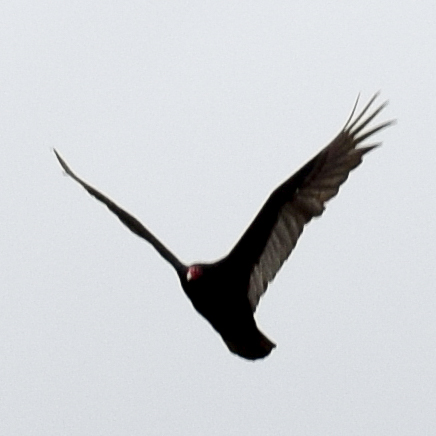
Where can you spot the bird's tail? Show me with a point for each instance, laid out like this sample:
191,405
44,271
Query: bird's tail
253,348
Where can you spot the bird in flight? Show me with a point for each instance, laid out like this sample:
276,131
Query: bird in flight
227,292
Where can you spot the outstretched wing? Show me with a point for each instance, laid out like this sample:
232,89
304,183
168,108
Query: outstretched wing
128,220
272,235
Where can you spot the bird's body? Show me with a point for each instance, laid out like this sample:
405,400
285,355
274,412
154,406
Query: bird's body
219,294
227,292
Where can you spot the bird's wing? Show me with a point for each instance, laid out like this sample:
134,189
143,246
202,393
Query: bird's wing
128,220
271,237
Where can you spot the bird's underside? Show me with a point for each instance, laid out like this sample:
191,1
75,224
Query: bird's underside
227,292
216,294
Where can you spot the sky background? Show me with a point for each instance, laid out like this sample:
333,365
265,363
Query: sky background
188,114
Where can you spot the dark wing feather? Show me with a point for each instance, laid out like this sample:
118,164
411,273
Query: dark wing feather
128,220
271,237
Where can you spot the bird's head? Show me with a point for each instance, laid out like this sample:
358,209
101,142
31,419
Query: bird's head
194,272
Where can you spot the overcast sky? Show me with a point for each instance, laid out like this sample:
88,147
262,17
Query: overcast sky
189,113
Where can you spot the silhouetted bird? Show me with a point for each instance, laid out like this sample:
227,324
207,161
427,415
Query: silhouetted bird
227,292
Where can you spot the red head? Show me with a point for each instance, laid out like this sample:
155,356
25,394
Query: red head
194,272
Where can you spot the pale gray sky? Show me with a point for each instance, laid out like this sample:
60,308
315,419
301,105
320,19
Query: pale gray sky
188,114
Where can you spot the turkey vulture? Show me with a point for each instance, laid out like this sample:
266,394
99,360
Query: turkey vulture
227,292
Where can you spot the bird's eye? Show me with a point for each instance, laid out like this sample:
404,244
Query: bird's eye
194,272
